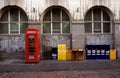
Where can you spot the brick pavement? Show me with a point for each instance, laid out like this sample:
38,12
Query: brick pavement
66,74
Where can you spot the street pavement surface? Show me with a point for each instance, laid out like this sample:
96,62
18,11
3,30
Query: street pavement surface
60,69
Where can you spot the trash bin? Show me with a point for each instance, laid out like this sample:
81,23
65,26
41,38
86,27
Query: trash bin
80,55
54,53
102,52
69,55
62,49
98,56
113,54
93,56
107,51
88,52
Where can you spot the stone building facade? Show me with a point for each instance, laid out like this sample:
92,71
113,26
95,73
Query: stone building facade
72,22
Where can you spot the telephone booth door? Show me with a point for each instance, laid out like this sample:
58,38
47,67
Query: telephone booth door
32,45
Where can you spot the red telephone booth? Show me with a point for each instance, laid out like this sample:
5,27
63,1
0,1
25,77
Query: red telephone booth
32,45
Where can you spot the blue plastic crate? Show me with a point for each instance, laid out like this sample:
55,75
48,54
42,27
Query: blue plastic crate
97,51
107,53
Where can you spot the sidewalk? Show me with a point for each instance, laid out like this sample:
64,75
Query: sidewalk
54,65
61,69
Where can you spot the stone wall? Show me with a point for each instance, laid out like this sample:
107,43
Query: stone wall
35,8
97,39
12,46
52,40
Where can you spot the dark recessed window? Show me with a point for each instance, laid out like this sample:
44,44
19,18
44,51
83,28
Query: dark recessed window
13,21
56,20
97,20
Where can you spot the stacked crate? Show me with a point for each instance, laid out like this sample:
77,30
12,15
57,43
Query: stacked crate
97,51
62,50
80,55
113,54
69,55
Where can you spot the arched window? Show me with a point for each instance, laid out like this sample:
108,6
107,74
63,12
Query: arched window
97,20
56,20
13,21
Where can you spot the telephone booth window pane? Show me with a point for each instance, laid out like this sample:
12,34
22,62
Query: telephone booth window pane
31,37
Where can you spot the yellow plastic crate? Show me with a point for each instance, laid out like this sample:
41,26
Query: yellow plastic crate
69,55
62,51
62,47
62,56
113,54
59,47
